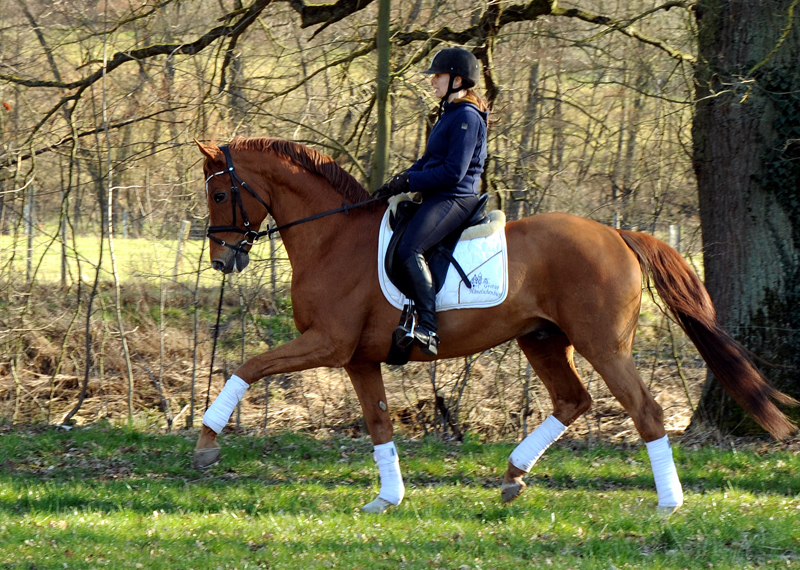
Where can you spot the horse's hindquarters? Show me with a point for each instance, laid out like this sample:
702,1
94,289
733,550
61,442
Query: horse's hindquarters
565,273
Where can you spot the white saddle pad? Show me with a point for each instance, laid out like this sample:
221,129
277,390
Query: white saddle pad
484,259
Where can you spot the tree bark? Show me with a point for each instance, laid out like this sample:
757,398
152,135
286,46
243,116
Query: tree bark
746,158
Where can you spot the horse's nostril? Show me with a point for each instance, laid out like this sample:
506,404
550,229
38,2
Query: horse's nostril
218,265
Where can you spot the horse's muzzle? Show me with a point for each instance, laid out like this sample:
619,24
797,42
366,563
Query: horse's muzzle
233,261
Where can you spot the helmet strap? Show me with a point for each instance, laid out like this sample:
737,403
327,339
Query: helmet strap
450,90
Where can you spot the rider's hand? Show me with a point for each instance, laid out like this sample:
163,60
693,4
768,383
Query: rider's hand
397,185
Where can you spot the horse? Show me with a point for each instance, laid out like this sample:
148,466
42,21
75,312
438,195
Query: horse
574,285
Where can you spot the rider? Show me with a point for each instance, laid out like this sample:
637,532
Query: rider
447,175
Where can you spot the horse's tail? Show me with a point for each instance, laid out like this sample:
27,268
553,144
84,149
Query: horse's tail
687,299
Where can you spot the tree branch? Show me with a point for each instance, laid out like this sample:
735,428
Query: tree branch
327,14
40,36
239,28
370,47
489,27
119,58
538,8
628,30
11,161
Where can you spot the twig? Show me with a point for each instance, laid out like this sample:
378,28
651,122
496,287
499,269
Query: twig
677,359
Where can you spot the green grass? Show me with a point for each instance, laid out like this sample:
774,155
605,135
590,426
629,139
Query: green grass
113,498
137,258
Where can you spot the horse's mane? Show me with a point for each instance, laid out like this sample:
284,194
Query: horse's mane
313,161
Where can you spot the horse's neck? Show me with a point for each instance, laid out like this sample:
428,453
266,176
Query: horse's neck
302,195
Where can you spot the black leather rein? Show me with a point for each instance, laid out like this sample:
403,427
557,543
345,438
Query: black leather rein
250,235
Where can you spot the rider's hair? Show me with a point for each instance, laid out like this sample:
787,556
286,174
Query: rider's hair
480,100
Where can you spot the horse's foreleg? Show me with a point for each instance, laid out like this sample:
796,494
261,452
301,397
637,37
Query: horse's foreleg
551,359
207,451
368,384
310,350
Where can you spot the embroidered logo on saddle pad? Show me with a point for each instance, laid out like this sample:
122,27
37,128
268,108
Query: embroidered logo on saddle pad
484,258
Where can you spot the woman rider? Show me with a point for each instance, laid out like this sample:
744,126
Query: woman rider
447,176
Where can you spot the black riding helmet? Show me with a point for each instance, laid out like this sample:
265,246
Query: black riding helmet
456,61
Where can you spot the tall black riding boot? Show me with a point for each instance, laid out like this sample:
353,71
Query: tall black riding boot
424,295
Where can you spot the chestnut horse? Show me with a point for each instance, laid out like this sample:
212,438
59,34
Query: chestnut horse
574,284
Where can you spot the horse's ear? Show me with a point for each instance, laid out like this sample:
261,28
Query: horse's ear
211,151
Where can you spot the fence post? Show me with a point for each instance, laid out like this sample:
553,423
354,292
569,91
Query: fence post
29,213
183,235
675,237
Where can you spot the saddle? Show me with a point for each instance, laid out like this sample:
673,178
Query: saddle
440,257
439,260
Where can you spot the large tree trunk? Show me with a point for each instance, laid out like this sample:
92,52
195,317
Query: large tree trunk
747,162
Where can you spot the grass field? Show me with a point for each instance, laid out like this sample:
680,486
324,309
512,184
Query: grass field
102,497
137,258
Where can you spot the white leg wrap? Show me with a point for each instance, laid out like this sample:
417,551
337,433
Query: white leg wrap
668,486
218,414
532,447
392,488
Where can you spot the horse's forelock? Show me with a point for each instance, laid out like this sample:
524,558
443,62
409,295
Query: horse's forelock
311,160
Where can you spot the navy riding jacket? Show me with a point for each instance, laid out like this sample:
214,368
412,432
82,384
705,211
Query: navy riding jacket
455,153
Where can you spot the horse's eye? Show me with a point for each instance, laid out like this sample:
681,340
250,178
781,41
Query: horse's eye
220,197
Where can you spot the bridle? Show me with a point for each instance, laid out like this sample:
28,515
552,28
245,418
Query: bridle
251,235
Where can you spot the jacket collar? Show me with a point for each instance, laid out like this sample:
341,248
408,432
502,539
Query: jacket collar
468,99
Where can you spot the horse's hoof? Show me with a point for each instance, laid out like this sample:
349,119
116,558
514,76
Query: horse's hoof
377,506
510,491
204,458
666,510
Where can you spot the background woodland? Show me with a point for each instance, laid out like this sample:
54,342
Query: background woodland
107,299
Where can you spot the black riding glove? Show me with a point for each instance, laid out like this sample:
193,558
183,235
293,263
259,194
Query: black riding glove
397,185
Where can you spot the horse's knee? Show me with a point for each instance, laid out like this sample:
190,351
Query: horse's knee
567,411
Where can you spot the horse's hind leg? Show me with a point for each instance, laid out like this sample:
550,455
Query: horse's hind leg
621,377
551,357
368,384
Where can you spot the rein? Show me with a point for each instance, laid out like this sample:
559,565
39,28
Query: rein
216,336
250,235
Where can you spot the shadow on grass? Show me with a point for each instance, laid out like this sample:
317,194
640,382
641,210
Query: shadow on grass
116,469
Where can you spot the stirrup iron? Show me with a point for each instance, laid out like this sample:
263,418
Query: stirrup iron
404,333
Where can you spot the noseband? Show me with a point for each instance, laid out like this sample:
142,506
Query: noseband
251,235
